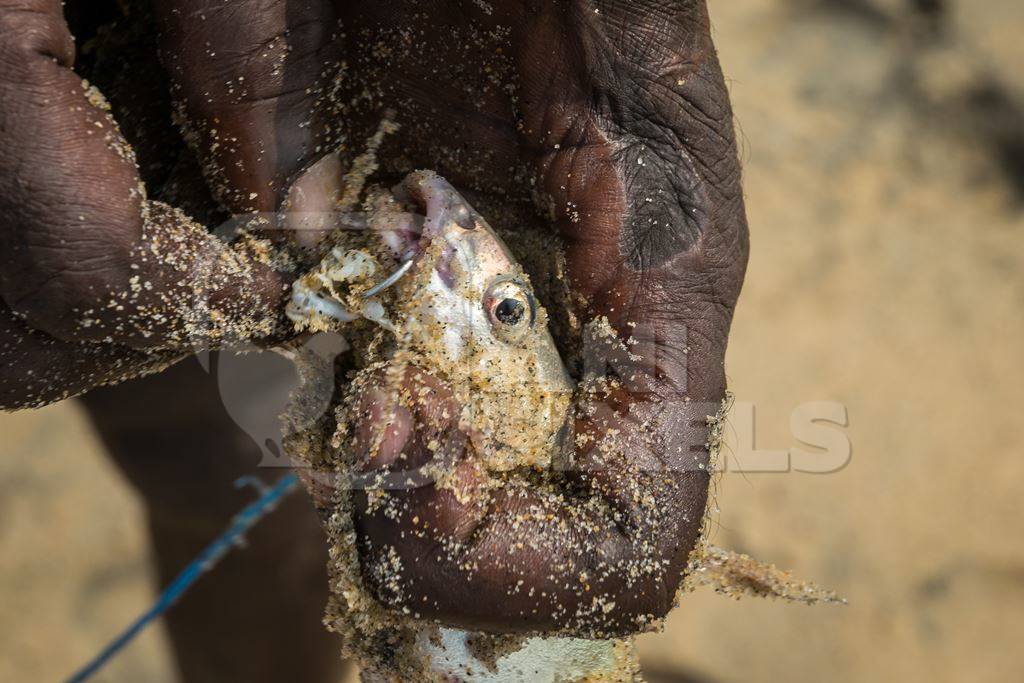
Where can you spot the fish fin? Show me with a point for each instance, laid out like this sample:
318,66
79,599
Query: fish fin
735,574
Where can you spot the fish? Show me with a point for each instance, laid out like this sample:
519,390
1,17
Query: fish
462,310
468,315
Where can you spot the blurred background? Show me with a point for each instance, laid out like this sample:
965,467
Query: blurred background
883,142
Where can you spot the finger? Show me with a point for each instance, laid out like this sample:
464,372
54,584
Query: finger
447,74
508,555
37,370
405,425
642,170
246,75
384,430
85,256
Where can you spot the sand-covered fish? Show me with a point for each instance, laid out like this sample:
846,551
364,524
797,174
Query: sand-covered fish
463,311
468,314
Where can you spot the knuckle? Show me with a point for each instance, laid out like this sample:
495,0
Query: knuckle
56,288
28,30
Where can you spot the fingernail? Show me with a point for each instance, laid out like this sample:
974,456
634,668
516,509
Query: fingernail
384,429
311,201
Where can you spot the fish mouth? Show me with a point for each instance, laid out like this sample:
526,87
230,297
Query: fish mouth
439,209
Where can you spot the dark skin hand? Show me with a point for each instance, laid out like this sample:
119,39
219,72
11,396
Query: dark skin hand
112,285
613,113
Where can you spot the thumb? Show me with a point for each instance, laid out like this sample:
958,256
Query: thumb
85,256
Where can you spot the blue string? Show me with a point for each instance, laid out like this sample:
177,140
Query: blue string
204,562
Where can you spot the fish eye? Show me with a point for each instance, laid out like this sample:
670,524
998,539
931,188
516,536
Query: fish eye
509,311
511,308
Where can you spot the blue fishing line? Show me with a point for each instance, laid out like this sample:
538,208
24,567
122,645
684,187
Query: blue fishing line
204,562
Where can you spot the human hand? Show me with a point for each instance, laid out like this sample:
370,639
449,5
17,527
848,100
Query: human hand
616,115
97,282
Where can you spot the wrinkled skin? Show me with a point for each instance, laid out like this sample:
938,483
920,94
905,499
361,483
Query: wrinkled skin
620,116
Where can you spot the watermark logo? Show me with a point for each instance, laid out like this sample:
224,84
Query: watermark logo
650,411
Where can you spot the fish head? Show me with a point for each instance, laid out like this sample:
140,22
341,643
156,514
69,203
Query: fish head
469,316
